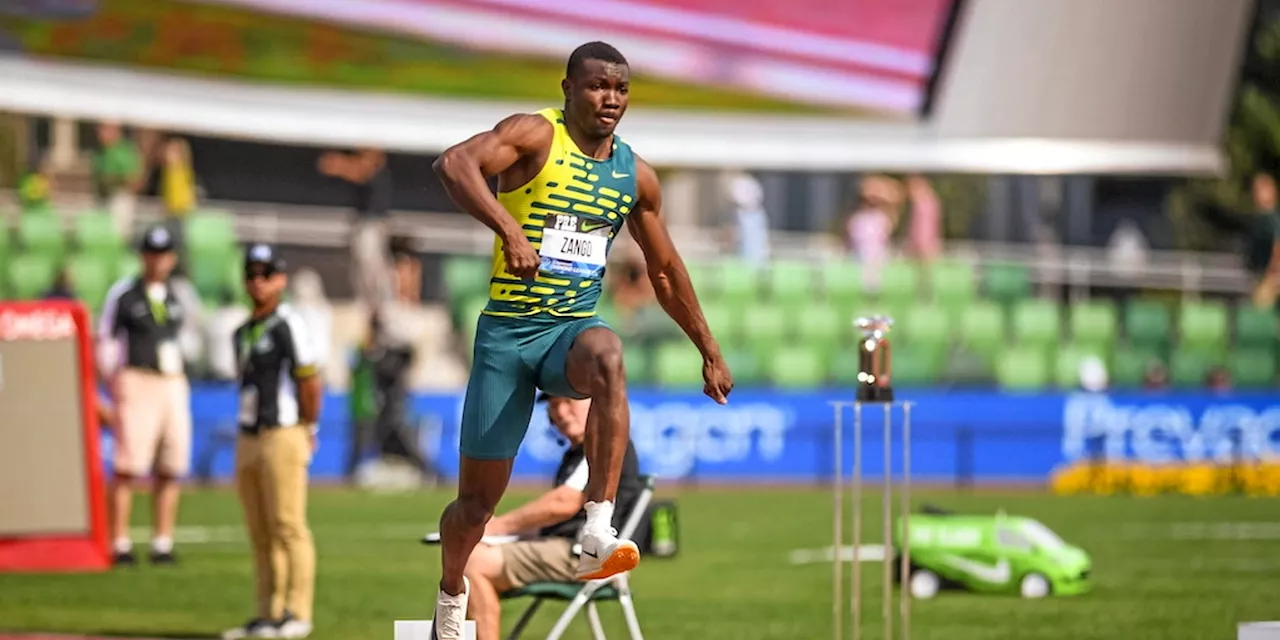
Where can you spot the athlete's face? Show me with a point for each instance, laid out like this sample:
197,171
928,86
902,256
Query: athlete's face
263,284
596,96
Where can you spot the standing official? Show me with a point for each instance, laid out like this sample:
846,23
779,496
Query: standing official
280,392
139,355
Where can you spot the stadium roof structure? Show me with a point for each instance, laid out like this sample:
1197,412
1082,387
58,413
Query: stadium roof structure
327,117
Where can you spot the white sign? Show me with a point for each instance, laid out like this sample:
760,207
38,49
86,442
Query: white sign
1167,432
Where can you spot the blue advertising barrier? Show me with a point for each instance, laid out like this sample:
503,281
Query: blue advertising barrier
767,435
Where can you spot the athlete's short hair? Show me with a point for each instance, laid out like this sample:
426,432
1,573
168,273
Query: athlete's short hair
597,50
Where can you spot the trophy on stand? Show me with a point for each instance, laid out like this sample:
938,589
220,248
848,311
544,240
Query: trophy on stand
875,376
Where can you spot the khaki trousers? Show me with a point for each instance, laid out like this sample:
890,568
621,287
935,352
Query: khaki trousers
271,479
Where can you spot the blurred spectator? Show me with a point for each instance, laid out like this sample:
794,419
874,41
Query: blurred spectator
1261,234
747,230
117,174
367,171
1218,379
408,270
1156,376
34,191
924,240
177,178
870,227
220,332
1093,374
309,301
61,289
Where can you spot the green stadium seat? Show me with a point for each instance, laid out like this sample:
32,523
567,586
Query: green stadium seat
210,273
842,282
1148,323
31,275
923,326
953,284
127,265
465,276
744,364
42,233
1094,322
1255,326
916,365
677,364
210,231
1037,322
820,324
638,361
982,328
766,324
95,232
703,277
1023,369
725,323
1067,364
740,283
1188,368
792,282
90,276
1253,368
1006,283
899,284
1202,324
797,367
1129,366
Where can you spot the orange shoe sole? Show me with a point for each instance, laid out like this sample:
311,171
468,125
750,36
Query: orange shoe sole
623,559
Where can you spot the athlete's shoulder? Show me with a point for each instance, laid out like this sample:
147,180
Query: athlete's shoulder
647,183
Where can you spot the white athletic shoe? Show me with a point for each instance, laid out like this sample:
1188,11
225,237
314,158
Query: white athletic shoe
604,555
451,614
256,628
293,628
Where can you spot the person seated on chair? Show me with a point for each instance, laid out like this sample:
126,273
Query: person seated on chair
553,521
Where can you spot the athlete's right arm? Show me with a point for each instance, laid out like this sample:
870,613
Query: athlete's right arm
464,167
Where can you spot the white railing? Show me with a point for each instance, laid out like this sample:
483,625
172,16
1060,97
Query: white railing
1052,267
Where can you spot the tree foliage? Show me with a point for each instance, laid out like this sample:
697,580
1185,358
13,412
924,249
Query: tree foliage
1251,146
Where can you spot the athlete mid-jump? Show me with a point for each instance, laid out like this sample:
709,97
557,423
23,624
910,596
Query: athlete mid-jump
566,185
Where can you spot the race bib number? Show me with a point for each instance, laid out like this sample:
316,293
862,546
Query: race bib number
169,357
572,246
248,406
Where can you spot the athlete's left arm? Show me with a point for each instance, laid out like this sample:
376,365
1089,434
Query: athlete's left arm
670,277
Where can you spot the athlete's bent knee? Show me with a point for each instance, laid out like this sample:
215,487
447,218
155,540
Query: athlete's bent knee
472,512
606,369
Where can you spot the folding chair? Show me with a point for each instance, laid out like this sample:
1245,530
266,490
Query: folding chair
580,594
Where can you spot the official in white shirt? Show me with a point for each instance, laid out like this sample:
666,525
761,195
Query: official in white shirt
140,357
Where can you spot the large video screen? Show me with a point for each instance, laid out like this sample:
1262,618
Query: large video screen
871,58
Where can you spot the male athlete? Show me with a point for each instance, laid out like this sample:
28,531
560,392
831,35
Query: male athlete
566,184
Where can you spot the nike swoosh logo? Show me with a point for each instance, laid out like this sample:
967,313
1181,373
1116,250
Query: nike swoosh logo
997,574
591,554
588,227
617,175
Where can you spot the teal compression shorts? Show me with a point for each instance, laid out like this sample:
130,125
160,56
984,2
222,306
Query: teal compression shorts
512,359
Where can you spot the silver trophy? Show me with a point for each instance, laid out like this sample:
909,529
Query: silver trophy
875,374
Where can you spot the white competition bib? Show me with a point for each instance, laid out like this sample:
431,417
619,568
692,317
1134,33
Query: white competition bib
169,357
573,246
248,405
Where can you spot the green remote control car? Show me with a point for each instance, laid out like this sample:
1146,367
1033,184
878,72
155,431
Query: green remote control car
990,554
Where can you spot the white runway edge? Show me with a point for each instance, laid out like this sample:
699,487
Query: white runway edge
866,553
1258,631
226,534
421,630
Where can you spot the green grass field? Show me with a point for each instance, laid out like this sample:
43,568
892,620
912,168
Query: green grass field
1168,567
